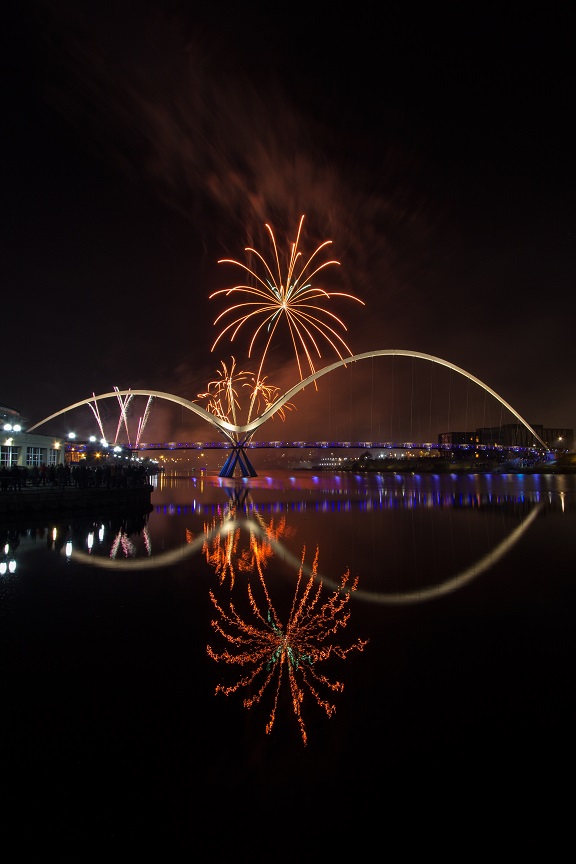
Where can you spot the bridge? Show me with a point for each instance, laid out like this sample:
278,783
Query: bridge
331,445
238,439
286,445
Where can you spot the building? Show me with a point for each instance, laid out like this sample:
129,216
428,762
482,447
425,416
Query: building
458,439
24,449
517,435
512,435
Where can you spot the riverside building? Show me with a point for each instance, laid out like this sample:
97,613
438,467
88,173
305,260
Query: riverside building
18,447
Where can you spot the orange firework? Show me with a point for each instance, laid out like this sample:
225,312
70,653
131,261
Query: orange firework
292,297
221,398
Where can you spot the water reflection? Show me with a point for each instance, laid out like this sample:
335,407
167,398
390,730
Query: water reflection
411,538
105,659
266,651
256,643
222,545
10,543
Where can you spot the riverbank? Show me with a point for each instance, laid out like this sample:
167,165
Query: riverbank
442,466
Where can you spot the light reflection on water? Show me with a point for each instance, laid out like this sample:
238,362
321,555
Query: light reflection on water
464,610
407,537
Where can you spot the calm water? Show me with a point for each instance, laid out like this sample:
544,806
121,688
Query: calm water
447,686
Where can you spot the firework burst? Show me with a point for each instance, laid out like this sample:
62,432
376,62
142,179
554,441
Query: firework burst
291,297
271,651
222,396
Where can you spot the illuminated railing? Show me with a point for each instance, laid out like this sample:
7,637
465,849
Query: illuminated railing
333,445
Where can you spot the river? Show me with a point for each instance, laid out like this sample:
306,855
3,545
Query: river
198,668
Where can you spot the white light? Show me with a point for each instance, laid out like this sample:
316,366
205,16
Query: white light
103,442
68,548
12,565
7,427
90,540
117,449
3,568
92,438
72,435
18,428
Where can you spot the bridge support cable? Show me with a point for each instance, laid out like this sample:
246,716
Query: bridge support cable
391,352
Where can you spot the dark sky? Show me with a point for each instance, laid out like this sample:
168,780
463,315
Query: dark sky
144,141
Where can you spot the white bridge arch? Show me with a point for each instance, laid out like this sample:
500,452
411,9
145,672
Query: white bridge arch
238,436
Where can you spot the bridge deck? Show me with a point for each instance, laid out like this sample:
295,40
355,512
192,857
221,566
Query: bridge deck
321,445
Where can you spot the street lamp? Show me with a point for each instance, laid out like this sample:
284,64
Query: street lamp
71,437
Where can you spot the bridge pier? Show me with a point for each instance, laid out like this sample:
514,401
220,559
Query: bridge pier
238,457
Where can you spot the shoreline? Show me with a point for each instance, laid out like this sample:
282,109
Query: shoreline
415,467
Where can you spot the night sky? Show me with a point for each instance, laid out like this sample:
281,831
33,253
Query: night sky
144,141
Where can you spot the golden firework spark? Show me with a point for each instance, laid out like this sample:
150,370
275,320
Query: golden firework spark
268,649
263,396
221,398
292,297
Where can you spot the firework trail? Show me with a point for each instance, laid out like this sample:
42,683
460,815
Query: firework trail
96,413
222,396
263,396
222,400
123,416
143,420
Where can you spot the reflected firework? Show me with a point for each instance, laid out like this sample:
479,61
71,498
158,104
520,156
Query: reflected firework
270,651
122,541
222,547
291,296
